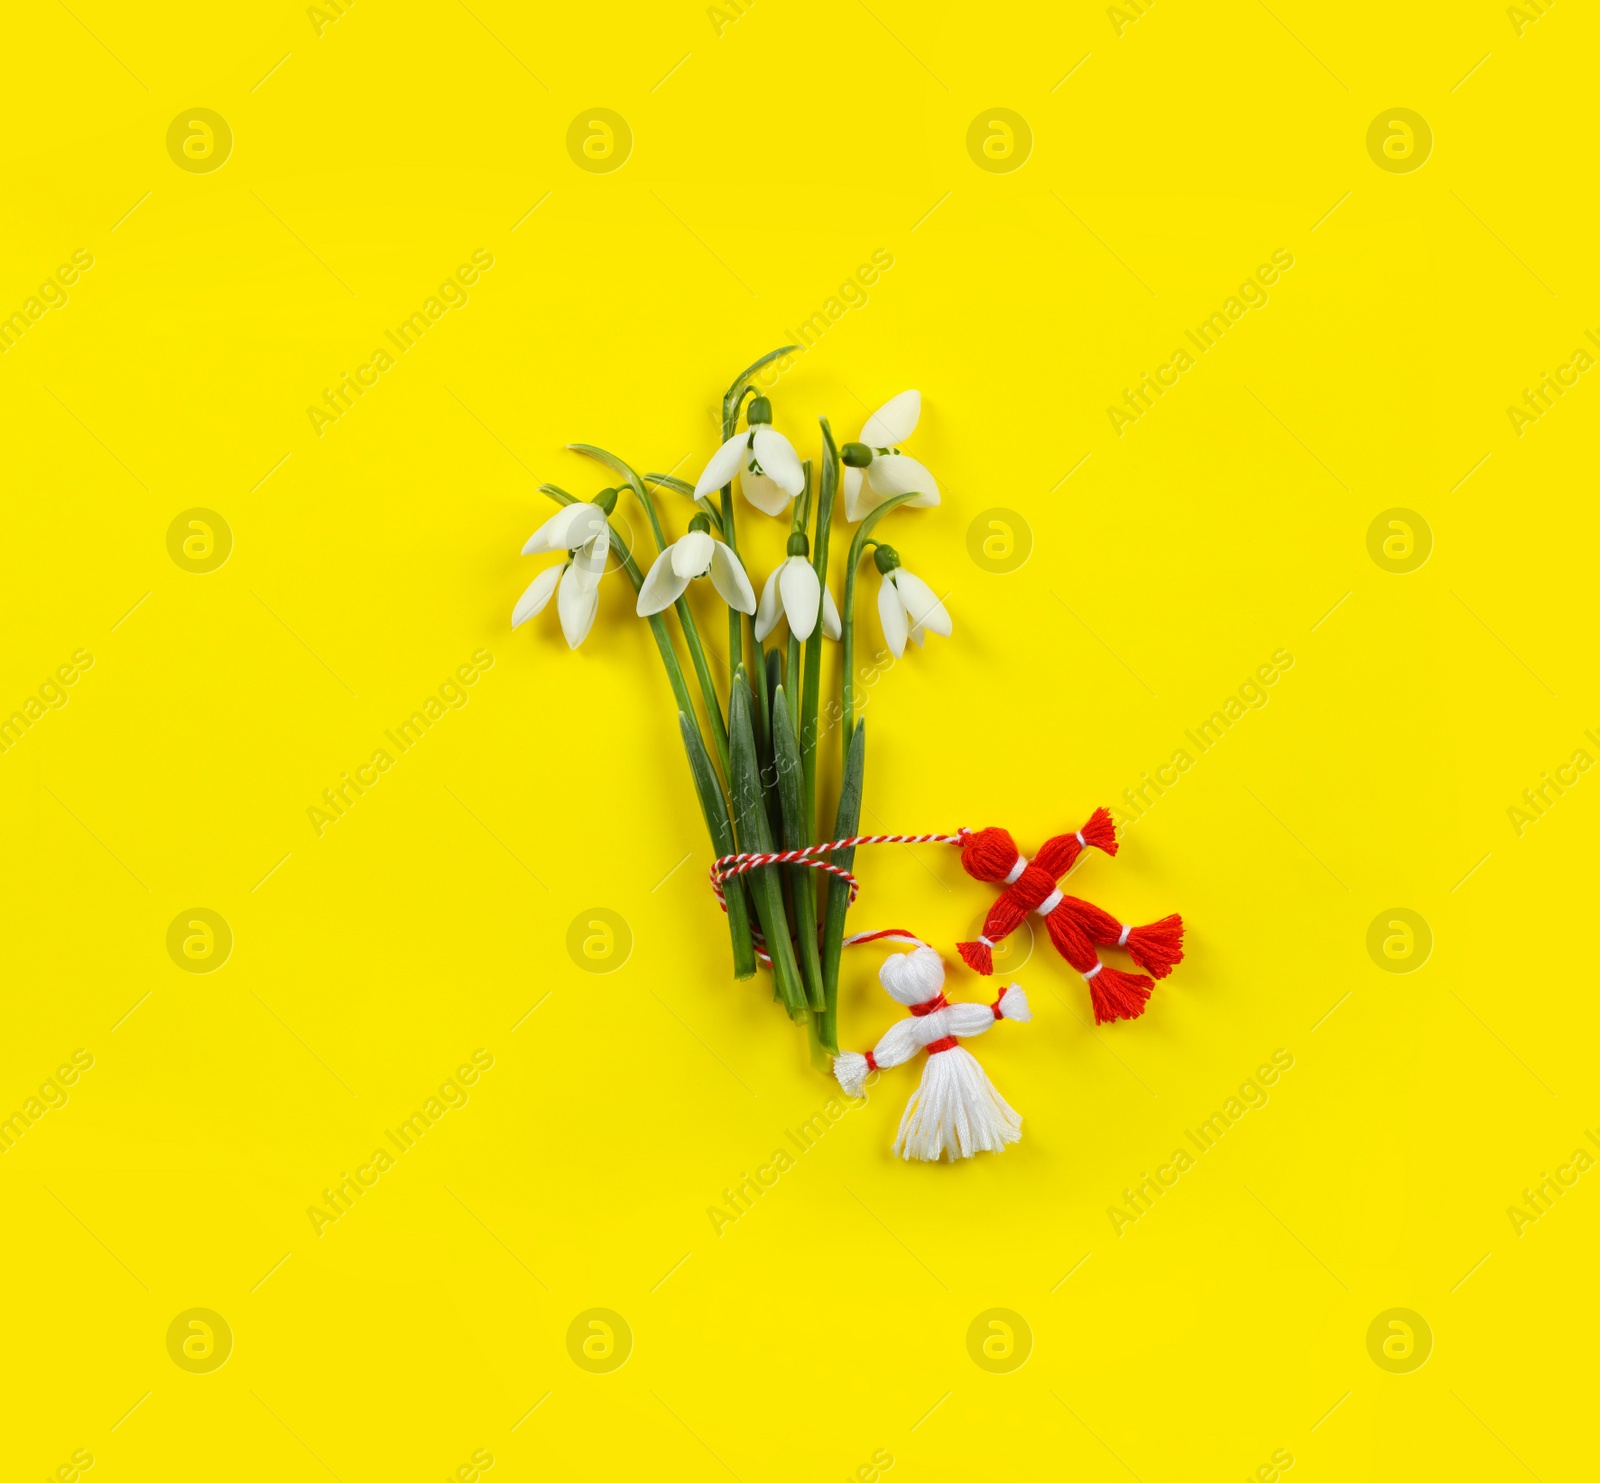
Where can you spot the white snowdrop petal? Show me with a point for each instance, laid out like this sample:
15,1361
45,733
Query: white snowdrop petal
922,604
831,627
691,554
854,508
894,421
589,561
537,597
895,473
725,463
662,586
802,595
764,493
768,612
778,459
892,615
728,577
577,605
570,526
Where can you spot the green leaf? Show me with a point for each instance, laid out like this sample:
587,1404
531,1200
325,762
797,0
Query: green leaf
802,881
715,809
845,826
611,461
732,396
755,837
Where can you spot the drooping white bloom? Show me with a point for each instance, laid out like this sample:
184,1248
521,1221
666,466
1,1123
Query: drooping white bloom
794,592
580,530
887,470
907,606
768,467
695,555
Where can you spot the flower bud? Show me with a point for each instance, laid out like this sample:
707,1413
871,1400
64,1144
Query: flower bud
760,411
857,455
606,499
700,522
886,559
798,544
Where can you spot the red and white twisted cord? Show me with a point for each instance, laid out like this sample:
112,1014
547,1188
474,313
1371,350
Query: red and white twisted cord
728,867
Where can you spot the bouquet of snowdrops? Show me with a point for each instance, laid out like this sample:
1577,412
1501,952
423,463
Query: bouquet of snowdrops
757,783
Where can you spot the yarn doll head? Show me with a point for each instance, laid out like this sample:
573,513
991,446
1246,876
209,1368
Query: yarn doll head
914,977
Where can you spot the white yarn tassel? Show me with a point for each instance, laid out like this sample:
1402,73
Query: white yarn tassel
955,1111
850,1067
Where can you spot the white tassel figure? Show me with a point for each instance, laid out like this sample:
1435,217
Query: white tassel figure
956,1109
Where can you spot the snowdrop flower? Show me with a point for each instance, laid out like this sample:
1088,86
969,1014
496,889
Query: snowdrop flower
768,467
888,471
581,531
907,606
695,555
794,592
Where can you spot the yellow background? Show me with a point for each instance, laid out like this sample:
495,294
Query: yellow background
772,153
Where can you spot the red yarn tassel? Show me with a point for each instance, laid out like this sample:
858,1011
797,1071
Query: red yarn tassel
1100,832
1158,948
977,956
1005,916
1117,995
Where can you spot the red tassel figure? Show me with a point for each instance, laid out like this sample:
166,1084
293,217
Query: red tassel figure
1074,926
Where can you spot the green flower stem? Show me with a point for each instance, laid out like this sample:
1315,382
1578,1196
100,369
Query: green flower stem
708,688
732,400
796,835
845,824
755,837
812,691
691,631
848,819
857,547
682,486
712,804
